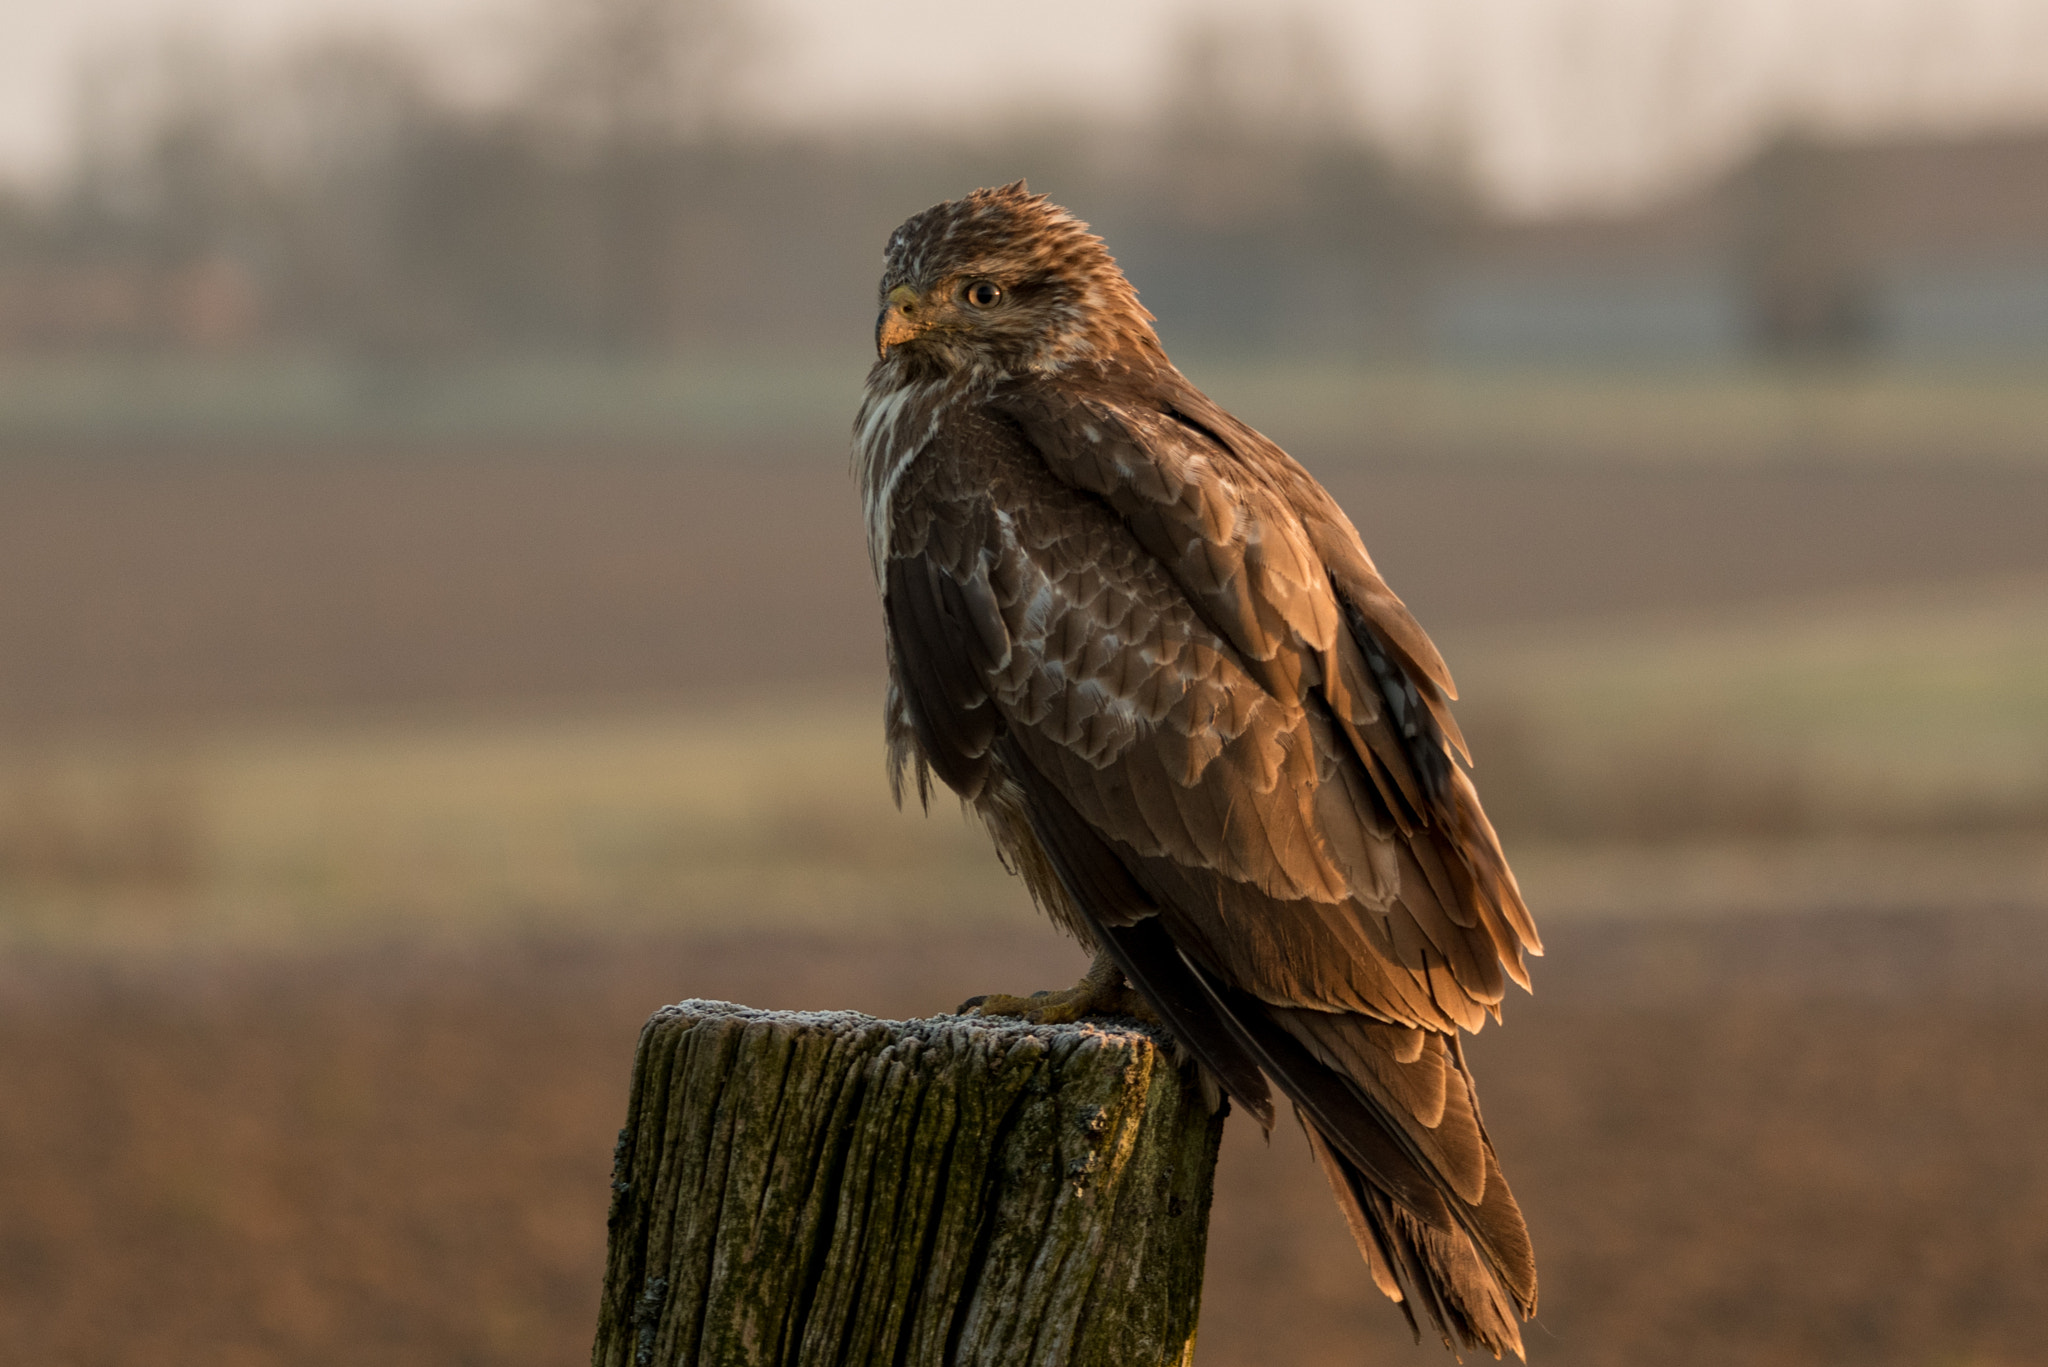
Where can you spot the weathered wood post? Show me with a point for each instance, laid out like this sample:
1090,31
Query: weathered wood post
832,1189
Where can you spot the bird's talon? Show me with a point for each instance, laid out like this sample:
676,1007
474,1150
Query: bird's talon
1089,998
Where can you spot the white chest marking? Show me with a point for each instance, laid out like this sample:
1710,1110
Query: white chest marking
883,452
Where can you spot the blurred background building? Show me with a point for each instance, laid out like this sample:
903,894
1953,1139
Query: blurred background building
431,592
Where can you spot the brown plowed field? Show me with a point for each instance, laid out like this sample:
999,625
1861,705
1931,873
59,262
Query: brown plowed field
399,1157
141,588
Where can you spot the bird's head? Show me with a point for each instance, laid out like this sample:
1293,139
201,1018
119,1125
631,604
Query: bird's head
1005,281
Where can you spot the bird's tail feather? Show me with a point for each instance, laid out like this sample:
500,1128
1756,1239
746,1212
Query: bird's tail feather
1467,1262
1415,1262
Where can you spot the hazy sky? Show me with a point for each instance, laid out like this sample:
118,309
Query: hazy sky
1554,102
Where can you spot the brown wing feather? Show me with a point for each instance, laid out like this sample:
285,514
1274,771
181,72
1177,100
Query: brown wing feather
1273,566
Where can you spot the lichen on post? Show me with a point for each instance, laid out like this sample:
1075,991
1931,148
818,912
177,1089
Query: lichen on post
814,1188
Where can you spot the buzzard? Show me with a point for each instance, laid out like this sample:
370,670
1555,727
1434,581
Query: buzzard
1149,650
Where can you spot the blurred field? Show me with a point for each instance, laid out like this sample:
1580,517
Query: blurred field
1785,1140
1657,416
1882,752
356,806
153,589
710,818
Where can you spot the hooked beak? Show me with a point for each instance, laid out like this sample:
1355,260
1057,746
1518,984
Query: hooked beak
899,320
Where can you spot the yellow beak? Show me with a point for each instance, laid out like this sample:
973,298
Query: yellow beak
899,321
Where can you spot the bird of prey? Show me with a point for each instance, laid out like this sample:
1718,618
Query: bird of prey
1151,653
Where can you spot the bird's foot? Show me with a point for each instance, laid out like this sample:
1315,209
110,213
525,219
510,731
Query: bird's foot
1101,992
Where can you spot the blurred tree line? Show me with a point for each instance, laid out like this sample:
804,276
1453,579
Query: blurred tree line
610,200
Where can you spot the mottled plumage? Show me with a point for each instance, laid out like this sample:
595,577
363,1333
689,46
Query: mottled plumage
1152,653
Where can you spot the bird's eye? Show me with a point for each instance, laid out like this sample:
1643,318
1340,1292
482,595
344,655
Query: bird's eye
983,294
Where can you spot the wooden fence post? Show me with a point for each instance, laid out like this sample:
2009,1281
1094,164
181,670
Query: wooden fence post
831,1189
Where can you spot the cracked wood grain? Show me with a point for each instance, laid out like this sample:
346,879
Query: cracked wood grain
831,1190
